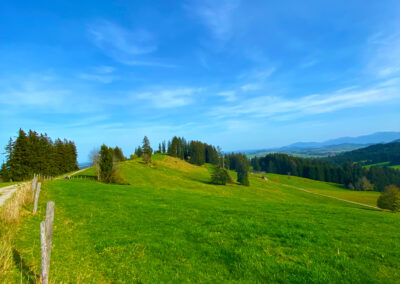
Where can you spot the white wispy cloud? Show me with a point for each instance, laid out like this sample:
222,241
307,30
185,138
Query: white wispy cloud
309,63
285,108
257,74
250,87
101,74
41,93
127,46
216,15
229,96
34,89
33,97
104,69
170,98
112,37
254,79
384,54
97,77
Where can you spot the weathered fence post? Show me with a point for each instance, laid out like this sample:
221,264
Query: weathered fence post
46,234
36,197
33,187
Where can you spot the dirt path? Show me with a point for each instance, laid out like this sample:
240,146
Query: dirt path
7,191
337,198
71,174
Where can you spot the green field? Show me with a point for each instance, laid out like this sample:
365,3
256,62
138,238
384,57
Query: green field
171,225
331,189
383,164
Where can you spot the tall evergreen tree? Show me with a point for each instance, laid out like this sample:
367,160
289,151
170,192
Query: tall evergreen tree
147,150
34,153
106,164
242,169
118,154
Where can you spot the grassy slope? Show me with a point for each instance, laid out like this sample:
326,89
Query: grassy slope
171,225
331,189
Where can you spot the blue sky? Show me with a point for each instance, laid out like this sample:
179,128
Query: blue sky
239,74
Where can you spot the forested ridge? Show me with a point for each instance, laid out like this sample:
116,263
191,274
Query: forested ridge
378,153
35,153
352,175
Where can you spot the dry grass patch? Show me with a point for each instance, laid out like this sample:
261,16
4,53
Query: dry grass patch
177,164
10,216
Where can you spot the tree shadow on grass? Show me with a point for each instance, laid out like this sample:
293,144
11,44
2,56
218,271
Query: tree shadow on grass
28,274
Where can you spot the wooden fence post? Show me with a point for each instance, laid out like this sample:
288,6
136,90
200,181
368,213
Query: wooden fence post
46,234
36,197
33,187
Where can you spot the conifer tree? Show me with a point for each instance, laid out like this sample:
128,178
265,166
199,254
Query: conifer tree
118,155
242,169
139,151
34,153
106,164
147,150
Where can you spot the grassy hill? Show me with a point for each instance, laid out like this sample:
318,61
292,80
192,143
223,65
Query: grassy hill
172,225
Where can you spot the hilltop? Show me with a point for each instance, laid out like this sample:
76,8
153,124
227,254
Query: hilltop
172,225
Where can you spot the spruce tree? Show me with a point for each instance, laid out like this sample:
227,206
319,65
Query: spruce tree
118,155
106,164
147,151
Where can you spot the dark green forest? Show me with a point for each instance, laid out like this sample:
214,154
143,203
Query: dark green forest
35,153
378,153
352,175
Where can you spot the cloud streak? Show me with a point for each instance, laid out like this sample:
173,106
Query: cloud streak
385,53
129,47
170,98
217,16
283,108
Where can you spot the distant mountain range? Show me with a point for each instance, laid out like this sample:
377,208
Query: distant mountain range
330,147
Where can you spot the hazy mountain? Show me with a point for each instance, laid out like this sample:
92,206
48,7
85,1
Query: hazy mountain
375,138
331,147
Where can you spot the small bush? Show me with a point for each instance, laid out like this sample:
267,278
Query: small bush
220,176
390,198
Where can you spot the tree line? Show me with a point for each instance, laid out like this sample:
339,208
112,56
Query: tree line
35,153
378,153
352,175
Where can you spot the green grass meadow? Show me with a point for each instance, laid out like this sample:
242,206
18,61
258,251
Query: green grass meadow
383,164
172,225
